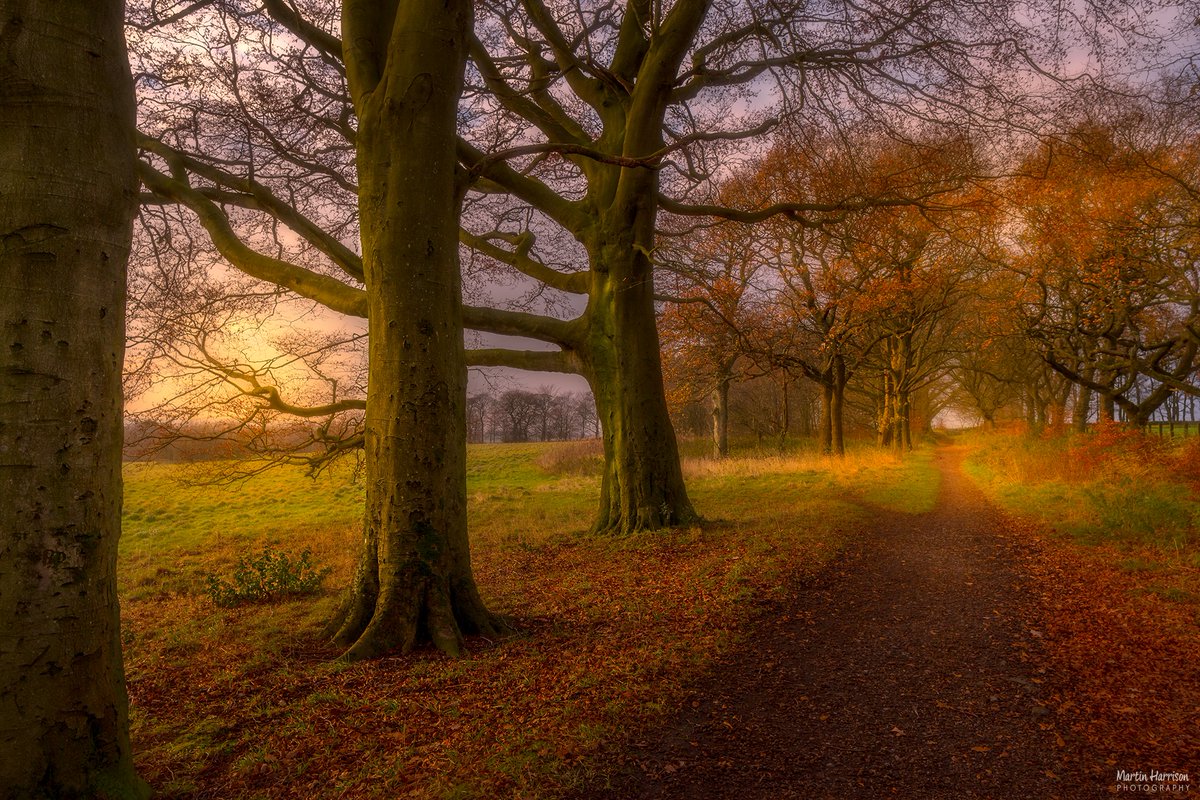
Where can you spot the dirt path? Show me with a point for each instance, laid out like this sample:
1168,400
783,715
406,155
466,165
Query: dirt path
904,671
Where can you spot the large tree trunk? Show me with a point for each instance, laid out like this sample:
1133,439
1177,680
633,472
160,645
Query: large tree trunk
885,412
67,200
720,415
643,486
902,439
1108,408
826,435
1082,409
414,582
785,415
902,417
837,408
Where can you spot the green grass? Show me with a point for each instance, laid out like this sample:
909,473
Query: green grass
1109,504
616,626
913,489
1127,507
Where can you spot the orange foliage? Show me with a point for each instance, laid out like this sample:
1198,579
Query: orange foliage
1113,443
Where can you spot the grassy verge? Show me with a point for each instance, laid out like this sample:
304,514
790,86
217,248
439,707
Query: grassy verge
1129,500
247,703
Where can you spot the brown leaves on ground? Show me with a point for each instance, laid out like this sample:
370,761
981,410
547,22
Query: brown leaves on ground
237,704
1126,658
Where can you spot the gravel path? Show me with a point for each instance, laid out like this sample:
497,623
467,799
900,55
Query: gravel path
902,671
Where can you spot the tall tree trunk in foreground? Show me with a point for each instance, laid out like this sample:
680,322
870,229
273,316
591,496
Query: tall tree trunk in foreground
414,584
838,403
785,415
826,436
832,380
67,200
1083,406
643,486
614,343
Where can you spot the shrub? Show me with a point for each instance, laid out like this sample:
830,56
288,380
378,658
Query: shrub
1122,451
268,576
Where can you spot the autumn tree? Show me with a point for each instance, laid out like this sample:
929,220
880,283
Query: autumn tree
815,327
869,288
1108,264
580,125
67,200
709,318
917,293
625,112
987,365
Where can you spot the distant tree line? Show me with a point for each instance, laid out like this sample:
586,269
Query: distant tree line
521,415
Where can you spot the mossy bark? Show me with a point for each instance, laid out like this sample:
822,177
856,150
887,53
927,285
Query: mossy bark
67,200
414,582
837,407
1082,407
832,380
642,487
615,341
825,435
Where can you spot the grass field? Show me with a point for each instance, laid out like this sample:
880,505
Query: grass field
249,702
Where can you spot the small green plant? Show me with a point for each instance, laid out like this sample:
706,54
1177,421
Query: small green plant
270,575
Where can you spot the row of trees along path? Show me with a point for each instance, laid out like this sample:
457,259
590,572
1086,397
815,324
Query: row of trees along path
894,673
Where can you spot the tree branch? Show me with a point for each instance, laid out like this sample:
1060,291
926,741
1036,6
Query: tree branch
327,291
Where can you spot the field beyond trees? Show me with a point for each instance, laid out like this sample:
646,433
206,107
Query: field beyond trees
614,632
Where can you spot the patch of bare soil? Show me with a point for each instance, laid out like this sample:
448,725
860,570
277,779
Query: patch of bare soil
903,670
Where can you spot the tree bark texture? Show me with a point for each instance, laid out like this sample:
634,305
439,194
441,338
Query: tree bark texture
414,582
832,380
837,402
643,486
720,416
785,415
1082,409
67,199
826,436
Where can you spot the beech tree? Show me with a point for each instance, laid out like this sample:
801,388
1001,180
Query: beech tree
404,66
580,124
67,201
818,328
623,112
403,71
